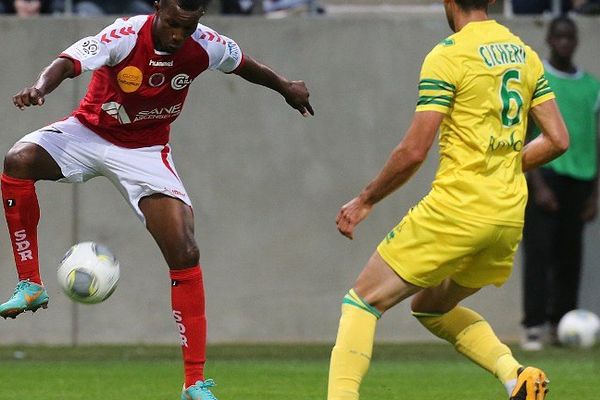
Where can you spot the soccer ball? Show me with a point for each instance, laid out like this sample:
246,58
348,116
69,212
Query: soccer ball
88,273
579,328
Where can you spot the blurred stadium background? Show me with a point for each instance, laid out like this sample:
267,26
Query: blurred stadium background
266,183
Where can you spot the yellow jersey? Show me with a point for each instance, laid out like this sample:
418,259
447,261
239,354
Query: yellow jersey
485,80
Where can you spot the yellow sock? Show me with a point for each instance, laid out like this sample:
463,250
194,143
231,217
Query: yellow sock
351,355
473,337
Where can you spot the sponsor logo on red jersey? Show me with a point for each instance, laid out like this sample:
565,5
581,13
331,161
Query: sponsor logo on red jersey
156,79
117,111
130,79
180,81
159,113
154,63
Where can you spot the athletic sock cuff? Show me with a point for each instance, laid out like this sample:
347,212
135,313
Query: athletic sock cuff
186,274
417,314
25,183
355,300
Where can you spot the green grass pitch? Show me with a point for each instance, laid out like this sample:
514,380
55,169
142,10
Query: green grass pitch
276,372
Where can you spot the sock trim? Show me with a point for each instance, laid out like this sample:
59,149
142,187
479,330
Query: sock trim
355,300
510,386
17,181
185,274
417,314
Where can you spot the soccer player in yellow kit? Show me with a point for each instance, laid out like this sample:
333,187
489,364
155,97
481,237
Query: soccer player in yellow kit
478,87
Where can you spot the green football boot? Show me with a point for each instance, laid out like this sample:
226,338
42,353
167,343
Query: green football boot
28,296
199,391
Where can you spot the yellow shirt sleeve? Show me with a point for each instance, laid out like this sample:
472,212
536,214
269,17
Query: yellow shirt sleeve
437,83
542,91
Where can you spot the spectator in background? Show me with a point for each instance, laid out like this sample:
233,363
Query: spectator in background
563,194
313,6
591,7
243,7
92,8
26,8
538,6
542,6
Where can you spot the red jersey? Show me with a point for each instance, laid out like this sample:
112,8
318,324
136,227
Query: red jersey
136,92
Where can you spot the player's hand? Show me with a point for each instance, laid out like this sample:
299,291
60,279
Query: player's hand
28,97
296,95
351,214
545,198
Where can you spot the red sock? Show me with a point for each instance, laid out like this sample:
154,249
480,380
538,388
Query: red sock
187,300
22,213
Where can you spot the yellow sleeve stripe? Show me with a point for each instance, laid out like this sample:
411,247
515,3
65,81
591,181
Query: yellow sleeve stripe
433,107
434,87
542,98
439,100
436,84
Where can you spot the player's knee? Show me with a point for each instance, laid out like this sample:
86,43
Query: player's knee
19,160
186,257
417,306
422,303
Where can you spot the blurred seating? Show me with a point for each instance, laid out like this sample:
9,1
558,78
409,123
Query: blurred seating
26,8
92,8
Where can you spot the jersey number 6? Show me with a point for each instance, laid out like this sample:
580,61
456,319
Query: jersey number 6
506,95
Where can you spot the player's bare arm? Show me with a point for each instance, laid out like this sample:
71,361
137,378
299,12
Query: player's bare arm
541,192
49,79
554,139
295,93
404,161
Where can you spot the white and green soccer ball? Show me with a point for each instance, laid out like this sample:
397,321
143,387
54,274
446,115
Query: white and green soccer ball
579,328
88,273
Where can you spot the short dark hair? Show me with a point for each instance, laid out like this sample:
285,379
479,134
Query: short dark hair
562,19
190,5
468,5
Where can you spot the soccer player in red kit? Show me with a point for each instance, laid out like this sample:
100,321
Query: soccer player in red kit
143,67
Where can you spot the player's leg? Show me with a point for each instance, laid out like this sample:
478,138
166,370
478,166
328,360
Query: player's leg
539,247
409,258
437,309
377,289
24,164
159,198
565,283
541,236
171,223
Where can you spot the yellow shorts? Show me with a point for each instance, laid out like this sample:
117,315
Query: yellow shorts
428,246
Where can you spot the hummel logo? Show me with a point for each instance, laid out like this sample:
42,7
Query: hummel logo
161,63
